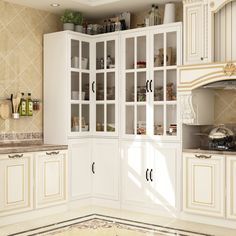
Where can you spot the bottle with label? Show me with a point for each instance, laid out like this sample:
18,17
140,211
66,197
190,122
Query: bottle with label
29,105
23,109
152,16
109,61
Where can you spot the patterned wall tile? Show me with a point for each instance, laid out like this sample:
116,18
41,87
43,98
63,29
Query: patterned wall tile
21,49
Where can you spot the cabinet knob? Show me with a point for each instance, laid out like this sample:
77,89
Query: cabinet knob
203,156
52,153
202,58
16,156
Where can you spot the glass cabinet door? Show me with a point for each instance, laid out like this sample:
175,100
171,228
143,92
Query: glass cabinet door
106,87
136,85
80,97
164,76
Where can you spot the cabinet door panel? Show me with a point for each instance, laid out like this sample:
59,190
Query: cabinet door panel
15,183
134,170
204,184
106,169
164,175
80,168
51,178
231,187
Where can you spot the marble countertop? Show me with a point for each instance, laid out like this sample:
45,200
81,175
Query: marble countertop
198,150
24,147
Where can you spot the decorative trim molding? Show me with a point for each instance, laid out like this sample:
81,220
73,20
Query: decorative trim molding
229,69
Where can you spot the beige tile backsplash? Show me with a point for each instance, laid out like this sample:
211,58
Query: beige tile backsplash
21,51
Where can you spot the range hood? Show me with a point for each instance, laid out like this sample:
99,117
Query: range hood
224,84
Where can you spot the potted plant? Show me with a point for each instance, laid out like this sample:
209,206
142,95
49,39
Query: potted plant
68,20
78,21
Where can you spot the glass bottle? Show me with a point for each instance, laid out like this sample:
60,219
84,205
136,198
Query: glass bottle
109,61
23,109
152,16
157,17
29,105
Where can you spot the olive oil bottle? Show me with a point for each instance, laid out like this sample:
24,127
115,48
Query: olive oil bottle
29,105
23,109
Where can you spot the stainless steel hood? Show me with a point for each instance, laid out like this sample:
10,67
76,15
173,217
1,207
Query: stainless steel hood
224,84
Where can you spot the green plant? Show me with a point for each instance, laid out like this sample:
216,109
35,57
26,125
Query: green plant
78,18
68,17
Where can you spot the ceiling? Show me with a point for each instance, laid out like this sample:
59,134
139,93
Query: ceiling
92,8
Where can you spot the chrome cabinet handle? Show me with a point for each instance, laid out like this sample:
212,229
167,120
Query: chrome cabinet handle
203,156
52,153
147,174
16,156
151,175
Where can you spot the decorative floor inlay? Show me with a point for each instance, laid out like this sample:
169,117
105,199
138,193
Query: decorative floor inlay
100,225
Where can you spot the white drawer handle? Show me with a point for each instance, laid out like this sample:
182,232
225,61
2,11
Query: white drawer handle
203,156
16,156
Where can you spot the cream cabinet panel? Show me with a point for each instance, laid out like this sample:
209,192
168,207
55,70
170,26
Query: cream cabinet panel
51,178
16,179
80,152
231,186
105,169
204,181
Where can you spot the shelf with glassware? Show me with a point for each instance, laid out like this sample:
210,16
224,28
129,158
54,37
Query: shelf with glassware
106,85
150,94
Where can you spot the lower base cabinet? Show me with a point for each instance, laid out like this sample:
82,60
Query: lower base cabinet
51,178
149,176
16,183
94,165
231,186
204,184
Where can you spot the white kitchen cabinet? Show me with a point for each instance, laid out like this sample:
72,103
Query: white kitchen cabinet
149,175
16,183
50,178
150,57
80,152
94,168
197,34
204,184
231,186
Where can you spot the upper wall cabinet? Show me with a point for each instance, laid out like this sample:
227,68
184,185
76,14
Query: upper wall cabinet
196,36
209,31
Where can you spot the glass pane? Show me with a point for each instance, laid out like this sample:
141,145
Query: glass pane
158,50
129,129
129,87
75,86
141,120
141,52
111,118
171,85
158,119
158,86
100,55
85,56
171,49
75,53
85,95
129,53
100,87
99,118
85,118
111,92
75,114
171,117
111,54
141,86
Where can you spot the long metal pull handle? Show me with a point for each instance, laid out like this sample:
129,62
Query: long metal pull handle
52,153
93,88
93,170
203,156
151,175
16,156
150,86
147,174
147,82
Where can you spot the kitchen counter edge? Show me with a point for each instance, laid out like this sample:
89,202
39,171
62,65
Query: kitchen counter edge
216,152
